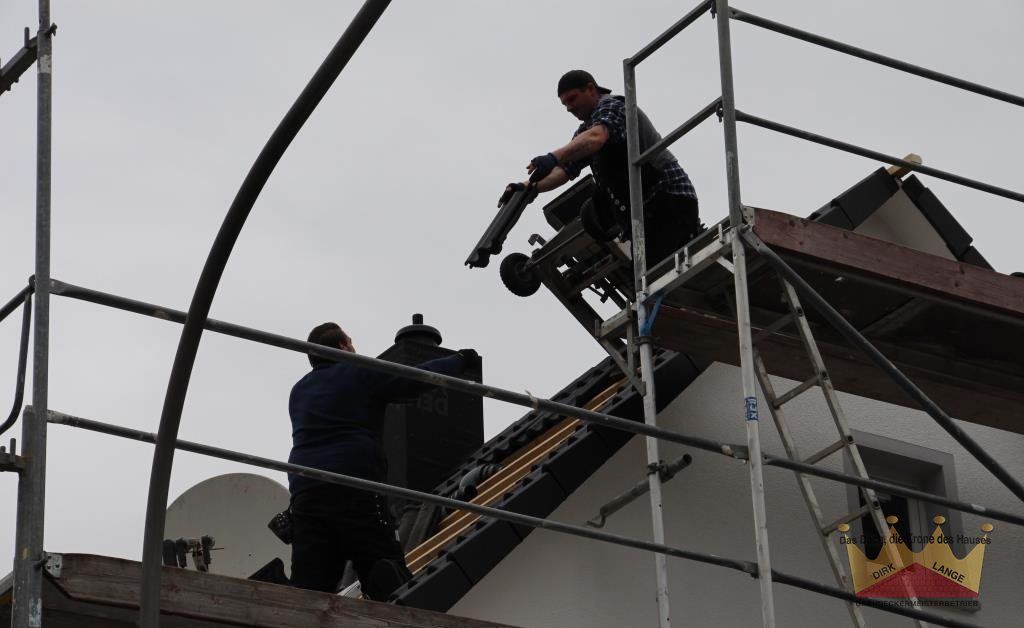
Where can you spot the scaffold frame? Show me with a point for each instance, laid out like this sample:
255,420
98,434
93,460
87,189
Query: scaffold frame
735,237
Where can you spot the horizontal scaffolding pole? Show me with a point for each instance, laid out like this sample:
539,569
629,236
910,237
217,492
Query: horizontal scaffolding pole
672,31
682,130
867,55
748,567
878,485
871,154
704,444
401,370
836,320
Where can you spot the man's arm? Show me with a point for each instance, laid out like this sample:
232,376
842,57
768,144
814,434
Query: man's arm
556,178
584,145
579,149
393,386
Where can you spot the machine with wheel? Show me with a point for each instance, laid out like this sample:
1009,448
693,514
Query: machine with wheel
582,255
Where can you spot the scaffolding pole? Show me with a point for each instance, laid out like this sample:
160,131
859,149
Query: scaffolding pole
729,450
643,338
736,222
27,603
744,566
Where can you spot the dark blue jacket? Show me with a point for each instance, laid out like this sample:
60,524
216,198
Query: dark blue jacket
337,412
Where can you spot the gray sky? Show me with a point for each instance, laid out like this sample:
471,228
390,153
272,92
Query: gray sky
160,110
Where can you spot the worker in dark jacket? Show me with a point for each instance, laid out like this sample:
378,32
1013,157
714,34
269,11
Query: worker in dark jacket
670,200
337,411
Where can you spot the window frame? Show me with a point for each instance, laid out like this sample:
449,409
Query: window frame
913,466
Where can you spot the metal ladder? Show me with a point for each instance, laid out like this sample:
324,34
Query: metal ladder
821,379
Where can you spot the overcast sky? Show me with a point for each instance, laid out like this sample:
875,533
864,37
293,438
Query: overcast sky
160,109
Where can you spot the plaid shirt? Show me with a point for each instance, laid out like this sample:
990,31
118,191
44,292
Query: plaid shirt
611,112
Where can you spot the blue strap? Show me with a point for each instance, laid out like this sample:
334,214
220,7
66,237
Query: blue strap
649,323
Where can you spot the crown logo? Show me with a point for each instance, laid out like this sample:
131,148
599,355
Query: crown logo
934,573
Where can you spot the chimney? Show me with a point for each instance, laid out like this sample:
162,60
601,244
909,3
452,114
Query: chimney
426,439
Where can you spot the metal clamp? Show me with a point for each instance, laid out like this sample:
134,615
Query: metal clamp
52,563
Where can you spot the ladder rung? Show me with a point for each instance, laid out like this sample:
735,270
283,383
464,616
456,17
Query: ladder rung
826,452
772,329
796,390
847,518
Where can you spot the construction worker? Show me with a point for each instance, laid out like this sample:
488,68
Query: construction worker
337,410
670,201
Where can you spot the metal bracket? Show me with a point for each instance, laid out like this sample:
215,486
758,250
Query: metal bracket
53,564
739,452
666,471
537,239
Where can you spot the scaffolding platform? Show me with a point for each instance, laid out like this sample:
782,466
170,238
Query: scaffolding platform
88,591
896,296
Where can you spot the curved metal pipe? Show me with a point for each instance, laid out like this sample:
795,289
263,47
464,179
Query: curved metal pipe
199,308
19,386
15,301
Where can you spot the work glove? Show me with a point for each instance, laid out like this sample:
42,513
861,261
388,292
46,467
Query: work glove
510,189
471,357
542,166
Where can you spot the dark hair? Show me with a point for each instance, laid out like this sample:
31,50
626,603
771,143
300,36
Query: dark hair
329,335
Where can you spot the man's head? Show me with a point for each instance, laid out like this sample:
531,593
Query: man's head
329,335
579,92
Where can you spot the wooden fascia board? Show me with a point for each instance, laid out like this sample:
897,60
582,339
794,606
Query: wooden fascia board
208,598
885,260
964,397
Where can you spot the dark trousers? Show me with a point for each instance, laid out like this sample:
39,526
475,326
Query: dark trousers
334,524
670,222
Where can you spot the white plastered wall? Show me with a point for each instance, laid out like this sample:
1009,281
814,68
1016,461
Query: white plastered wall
556,581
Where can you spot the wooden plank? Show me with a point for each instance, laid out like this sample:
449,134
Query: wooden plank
885,260
957,388
902,171
514,469
89,581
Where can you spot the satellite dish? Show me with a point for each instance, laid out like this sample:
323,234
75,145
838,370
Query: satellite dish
233,509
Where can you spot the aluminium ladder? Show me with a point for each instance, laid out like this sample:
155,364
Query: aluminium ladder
846,442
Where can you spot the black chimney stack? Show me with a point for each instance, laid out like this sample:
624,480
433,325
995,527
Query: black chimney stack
426,439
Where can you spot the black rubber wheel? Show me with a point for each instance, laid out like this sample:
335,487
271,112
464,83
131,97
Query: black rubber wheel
520,280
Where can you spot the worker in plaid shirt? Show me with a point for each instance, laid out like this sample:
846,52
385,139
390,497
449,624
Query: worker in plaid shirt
670,201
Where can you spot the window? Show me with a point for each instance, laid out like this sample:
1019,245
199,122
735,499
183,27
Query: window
910,466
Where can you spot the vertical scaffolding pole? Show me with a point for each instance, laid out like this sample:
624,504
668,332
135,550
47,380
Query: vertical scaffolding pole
27,604
646,352
739,260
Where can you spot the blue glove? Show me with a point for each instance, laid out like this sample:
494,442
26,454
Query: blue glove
543,166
